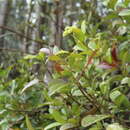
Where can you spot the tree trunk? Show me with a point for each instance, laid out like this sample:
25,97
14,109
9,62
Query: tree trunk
4,13
27,28
57,23
37,33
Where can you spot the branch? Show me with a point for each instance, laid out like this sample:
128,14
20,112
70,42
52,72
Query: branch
70,96
14,50
20,34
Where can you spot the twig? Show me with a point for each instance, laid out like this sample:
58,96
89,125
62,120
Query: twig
90,98
70,96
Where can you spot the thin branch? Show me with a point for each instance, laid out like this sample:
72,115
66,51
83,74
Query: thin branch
70,96
14,50
89,97
20,34
85,94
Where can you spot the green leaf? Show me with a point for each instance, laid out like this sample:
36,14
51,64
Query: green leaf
97,126
76,32
108,56
126,2
40,56
28,85
115,78
62,52
57,86
54,58
83,26
52,125
28,123
114,95
112,3
14,85
125,57
120,99
114,126
104,87
126,80
67,126
92,45
29,57
125,12
77,93
59,117
68,30
91,119
82,47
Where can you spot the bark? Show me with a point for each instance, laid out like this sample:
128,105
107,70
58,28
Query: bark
57,23
27,28
37,33
4,13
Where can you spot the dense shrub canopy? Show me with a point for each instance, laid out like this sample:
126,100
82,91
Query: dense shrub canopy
67,66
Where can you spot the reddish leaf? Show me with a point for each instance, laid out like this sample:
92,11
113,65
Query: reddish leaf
58,67
105,65
114,54
90,58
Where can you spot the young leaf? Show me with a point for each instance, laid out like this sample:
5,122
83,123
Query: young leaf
58,67
76,32
114,54
105,65
40,56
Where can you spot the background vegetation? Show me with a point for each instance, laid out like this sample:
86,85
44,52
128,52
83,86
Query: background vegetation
64,64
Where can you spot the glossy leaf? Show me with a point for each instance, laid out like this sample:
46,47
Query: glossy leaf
59,117
28,85
91,119
125,12
120,99
58,67
126,80
57,86
83,26
114,126
114,53
52,125
67,126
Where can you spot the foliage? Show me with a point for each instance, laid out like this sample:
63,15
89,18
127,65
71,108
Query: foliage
90,83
